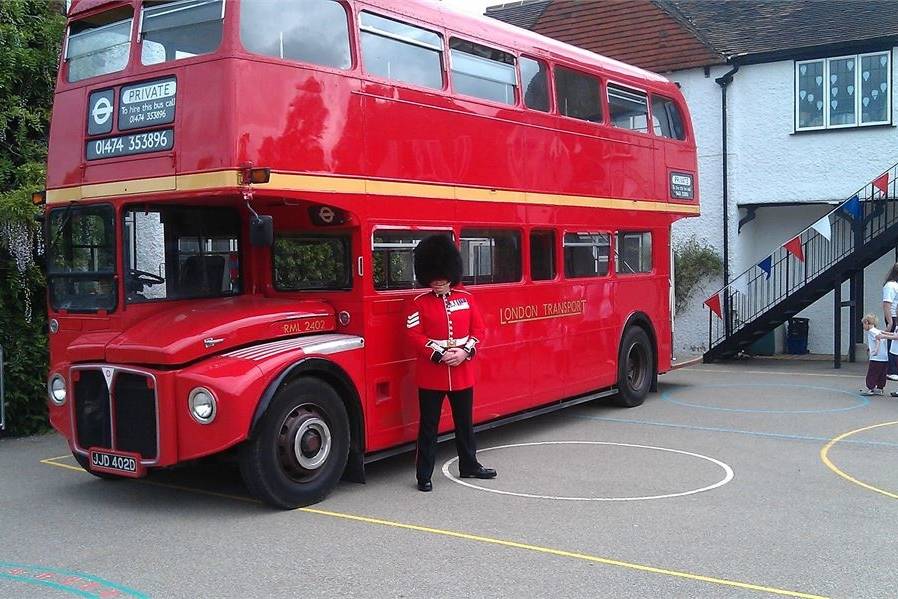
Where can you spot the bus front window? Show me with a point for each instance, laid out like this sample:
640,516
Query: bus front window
178,252
180,29
81,259
98,45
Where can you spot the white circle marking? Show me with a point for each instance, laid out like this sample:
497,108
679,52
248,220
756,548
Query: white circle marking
326,214
102,111
728,473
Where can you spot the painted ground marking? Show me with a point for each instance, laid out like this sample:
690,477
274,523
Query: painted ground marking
78,584
727,477
824,455
492,541
860,401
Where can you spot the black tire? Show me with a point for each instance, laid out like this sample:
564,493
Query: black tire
84,462
299,451
635,368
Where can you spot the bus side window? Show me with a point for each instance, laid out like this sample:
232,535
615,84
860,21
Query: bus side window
586,254
666,118
312,31
578,95
535,83
629,109
542,255
394,260
482,72
401,52
304,262
634,252
490,256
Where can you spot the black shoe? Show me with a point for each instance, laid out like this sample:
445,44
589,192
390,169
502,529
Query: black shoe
481,472
425,485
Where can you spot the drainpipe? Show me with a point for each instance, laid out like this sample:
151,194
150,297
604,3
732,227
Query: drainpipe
724,81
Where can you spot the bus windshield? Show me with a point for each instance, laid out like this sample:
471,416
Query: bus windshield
81,258
180,252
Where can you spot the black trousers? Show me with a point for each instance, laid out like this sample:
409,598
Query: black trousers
893,363
430,403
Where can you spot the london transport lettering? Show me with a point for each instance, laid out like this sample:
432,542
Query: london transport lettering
525,312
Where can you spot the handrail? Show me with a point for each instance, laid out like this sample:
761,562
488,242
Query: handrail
753,291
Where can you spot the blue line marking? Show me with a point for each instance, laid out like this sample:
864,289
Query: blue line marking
37,569
729,430
47,583
862,401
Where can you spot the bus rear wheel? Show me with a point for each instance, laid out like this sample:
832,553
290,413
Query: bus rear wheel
635,368
299,452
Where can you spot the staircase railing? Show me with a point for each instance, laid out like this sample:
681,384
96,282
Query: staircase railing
853,223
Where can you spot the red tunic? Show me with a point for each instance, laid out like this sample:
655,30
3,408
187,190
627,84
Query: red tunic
437,323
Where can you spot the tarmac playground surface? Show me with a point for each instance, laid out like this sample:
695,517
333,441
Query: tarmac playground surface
747,479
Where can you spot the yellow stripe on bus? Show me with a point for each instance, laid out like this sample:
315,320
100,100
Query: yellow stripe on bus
330,184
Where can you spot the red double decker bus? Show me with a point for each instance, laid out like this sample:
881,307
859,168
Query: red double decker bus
234,192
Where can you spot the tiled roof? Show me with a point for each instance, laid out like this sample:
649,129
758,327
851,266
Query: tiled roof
744,27
524,13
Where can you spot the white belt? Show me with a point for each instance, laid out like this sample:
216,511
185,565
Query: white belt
453,342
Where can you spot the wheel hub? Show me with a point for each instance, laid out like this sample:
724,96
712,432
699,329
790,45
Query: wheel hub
304,443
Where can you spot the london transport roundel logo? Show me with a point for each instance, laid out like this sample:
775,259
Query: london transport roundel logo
101,111
326,215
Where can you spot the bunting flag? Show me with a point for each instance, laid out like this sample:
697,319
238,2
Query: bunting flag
853,207
766,265
794,247
823,227
713,303
882,183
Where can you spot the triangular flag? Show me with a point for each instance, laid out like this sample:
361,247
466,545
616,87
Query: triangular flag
882,183
794,248
713,303
823,227
766,265
853,207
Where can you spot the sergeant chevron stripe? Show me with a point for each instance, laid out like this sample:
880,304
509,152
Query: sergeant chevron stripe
413,320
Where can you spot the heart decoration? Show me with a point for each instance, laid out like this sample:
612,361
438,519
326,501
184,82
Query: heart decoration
875,93
883,60
819,80
819,104
883,86
803,69
802,94
835,91
866,102
833,78
866,75
850,90
810,97
834,104
850,66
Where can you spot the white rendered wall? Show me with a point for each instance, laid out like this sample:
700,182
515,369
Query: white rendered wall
770,163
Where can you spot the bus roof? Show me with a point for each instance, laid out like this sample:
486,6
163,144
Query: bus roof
486,28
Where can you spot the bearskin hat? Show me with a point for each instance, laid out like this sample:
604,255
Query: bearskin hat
436,257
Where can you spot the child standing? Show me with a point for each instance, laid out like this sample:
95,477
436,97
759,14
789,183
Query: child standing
878,366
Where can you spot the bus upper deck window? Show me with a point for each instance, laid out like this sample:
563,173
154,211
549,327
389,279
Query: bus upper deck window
578,95
99,44
313,31
182,29
534,82
401,52
482,72
629,108
666,118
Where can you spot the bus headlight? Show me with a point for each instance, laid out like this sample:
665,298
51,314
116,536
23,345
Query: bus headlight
56,389
203,405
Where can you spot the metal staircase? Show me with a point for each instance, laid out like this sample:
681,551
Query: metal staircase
862,229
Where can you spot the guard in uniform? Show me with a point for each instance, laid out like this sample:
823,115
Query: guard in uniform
445,326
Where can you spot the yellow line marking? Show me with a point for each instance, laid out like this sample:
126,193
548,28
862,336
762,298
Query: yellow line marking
489,540
825,457
351,185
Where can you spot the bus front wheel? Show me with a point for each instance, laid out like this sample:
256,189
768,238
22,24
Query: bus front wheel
635,364
299,452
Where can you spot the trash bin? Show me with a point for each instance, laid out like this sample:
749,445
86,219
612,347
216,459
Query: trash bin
765,346
797,336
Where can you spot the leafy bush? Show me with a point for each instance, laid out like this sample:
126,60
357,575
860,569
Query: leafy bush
694,260
31,33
